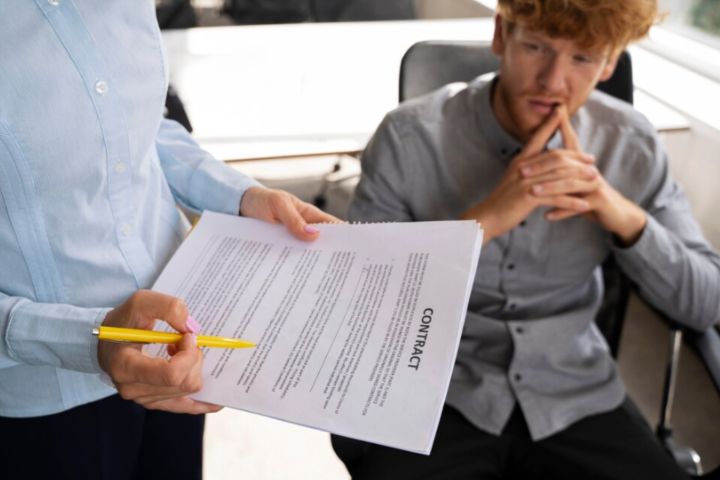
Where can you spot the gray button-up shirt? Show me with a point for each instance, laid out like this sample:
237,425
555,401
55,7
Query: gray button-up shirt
529,334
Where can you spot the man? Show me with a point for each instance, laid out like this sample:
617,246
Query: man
560,176
90,175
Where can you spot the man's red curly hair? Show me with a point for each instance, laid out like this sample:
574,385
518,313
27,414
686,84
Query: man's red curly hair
592,23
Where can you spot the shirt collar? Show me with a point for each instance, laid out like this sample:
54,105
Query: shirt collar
505,146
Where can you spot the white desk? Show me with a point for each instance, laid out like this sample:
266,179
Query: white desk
277,89
274,90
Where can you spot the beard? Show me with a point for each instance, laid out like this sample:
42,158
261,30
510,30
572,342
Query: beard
522,113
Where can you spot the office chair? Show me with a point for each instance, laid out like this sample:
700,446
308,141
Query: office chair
428,65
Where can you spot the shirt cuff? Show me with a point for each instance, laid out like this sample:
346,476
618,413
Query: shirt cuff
643,254
54,334
224,193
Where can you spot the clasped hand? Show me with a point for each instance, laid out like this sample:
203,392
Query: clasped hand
564,179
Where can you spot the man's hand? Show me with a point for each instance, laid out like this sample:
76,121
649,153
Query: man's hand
513,199
607,206
155,383
276,206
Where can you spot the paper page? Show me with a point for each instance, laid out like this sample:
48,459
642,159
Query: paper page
356,332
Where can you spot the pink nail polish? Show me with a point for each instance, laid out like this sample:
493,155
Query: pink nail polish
537,188
311,229
192,325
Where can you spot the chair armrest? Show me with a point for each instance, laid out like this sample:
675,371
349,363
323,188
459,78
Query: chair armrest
686,457
707,346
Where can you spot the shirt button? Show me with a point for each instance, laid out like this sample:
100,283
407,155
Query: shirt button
101,87
511,266
518,377
126,229
519,330
512,306
54,3
120,167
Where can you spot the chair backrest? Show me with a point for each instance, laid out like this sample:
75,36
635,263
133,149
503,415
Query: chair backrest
429,65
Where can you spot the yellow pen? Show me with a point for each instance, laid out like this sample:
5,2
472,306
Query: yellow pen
117,334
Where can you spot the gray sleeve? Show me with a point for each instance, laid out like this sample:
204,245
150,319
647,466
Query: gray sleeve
379,194
673,265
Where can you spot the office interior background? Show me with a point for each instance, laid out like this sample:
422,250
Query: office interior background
283,94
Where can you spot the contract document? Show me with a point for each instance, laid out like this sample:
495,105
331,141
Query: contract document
356,332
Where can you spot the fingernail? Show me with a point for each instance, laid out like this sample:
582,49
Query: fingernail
310,229
192,325
537,188
526,170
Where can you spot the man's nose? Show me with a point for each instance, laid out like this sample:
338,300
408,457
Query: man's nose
552,76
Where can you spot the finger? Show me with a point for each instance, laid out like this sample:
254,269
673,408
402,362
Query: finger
564,186
570,139
560,214
543,174
183,405
189,359
313,214
145,306
565,202
287,213
553,160
561,174
292,212
144,393
542,135
134,366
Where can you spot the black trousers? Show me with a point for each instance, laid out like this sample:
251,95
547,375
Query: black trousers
110,439
613,445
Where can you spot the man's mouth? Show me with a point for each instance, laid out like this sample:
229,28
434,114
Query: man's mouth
544,107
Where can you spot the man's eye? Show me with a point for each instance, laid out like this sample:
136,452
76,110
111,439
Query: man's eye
583,59
531,47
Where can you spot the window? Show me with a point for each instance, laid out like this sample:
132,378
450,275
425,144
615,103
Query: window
697,19
689,36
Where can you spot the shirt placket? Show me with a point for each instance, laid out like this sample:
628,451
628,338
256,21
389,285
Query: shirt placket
79,44
511,267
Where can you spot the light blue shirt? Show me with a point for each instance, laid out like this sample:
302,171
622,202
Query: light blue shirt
90,174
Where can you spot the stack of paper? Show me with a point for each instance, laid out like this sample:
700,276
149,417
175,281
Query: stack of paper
356,332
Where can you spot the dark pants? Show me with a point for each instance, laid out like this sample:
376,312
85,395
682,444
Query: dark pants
613,445
111,439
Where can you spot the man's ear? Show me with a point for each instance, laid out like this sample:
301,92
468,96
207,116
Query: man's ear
498,41
609,67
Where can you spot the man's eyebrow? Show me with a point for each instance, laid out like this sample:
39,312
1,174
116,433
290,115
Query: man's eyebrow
532,36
